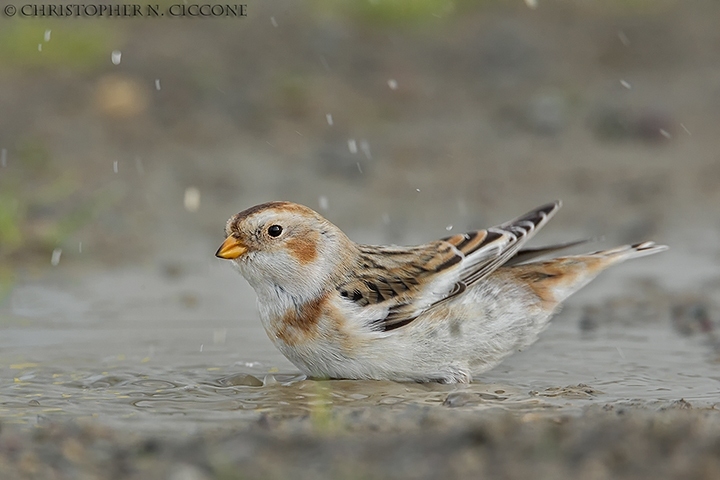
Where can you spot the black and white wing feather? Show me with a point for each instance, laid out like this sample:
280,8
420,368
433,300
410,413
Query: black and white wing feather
398,284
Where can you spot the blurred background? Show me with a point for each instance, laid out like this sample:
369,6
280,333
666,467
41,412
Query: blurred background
128,142
397,120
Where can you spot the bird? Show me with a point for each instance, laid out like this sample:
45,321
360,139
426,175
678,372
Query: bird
438,312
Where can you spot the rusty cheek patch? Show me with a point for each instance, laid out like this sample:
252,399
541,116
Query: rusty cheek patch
303,249
299,325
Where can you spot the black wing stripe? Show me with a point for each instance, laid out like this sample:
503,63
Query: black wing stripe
386,327
391,322
491,236
467,238
522,229
478,253
374,288
468,242
449,263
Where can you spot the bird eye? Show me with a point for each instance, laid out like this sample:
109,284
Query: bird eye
275,230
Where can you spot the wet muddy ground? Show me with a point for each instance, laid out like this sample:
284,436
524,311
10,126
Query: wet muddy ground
615,442
128,351
166,373
141,346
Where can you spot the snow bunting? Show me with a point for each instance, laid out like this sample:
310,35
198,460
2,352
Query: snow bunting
441,311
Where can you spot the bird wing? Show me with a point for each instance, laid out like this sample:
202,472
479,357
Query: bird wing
526,254
397,284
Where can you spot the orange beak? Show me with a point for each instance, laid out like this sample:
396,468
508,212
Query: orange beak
230,249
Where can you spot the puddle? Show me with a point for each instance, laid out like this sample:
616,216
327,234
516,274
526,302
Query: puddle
129,348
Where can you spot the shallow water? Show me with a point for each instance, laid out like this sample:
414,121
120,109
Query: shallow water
166,348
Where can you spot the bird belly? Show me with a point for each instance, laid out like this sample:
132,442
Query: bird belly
462,337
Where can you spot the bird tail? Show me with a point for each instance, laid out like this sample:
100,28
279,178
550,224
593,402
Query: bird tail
556,279
626,252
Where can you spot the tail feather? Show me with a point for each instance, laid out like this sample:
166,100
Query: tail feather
556,279
626,252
